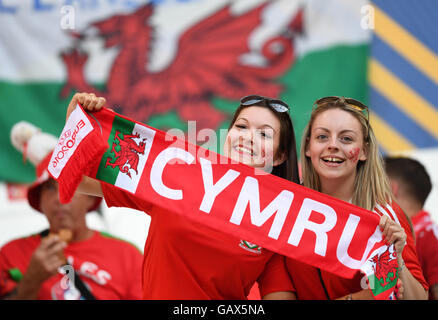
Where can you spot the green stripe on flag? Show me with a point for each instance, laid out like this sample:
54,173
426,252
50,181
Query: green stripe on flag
105,171
377,286
336,70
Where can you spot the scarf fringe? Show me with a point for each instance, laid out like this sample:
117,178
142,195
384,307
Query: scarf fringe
82,162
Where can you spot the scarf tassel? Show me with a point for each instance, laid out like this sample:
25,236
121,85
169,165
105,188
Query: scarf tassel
82,162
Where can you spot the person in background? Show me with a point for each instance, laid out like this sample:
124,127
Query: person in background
411,186
68,261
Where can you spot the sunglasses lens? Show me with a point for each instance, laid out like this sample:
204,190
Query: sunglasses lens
278,107
355,106
250,101
352,102
326,100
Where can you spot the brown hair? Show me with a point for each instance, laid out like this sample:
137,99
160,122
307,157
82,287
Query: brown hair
412,175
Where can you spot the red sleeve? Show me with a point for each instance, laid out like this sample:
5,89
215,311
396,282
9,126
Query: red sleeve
427,249
7,283
275,276
135,291
116,197
409,252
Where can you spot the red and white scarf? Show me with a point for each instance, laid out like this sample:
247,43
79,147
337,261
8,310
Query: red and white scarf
199,184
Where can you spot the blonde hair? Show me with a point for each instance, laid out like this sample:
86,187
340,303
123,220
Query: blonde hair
371,184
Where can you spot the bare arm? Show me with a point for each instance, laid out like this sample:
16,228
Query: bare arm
90,186
360,295
413,289
280,295
434,290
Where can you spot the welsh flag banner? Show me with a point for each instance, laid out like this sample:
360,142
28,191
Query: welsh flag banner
167,62
202,185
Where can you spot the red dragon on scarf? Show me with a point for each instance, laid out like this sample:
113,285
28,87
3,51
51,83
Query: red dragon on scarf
385,264
127,157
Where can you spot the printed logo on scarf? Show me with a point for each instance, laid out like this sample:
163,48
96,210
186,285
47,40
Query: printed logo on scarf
129,146
127,157
76,129
252,247
385,267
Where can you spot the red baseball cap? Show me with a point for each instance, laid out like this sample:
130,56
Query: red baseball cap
33,192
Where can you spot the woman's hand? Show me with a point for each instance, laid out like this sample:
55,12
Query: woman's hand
89,102
394,234
399,289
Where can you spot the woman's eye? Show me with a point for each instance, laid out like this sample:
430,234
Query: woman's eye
347,139
240,126
321,137
265,134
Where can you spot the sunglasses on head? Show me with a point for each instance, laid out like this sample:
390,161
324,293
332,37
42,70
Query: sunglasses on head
355,104
277,105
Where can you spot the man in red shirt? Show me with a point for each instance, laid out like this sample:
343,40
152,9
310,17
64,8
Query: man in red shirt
68,261
411,186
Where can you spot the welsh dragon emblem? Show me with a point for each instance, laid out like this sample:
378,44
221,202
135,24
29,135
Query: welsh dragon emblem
127,157
208,63
385,267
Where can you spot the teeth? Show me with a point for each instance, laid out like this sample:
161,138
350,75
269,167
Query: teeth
332,159
245,150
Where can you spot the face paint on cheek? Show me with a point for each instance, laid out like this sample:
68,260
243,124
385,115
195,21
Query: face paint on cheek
353,155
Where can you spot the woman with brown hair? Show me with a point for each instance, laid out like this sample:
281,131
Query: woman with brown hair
184,259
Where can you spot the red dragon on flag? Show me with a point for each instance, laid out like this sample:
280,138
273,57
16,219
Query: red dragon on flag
207,64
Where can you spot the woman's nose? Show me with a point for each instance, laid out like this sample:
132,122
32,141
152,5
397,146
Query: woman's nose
247,136
333,143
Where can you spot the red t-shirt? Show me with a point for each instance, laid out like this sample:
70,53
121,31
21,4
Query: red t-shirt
184,259
426,233
314,284
111,268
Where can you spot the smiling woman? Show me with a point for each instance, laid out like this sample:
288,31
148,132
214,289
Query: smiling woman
334,149
340,157
202,262
254,137
261,135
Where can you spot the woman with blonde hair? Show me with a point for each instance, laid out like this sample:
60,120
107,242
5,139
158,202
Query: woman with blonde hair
340,158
